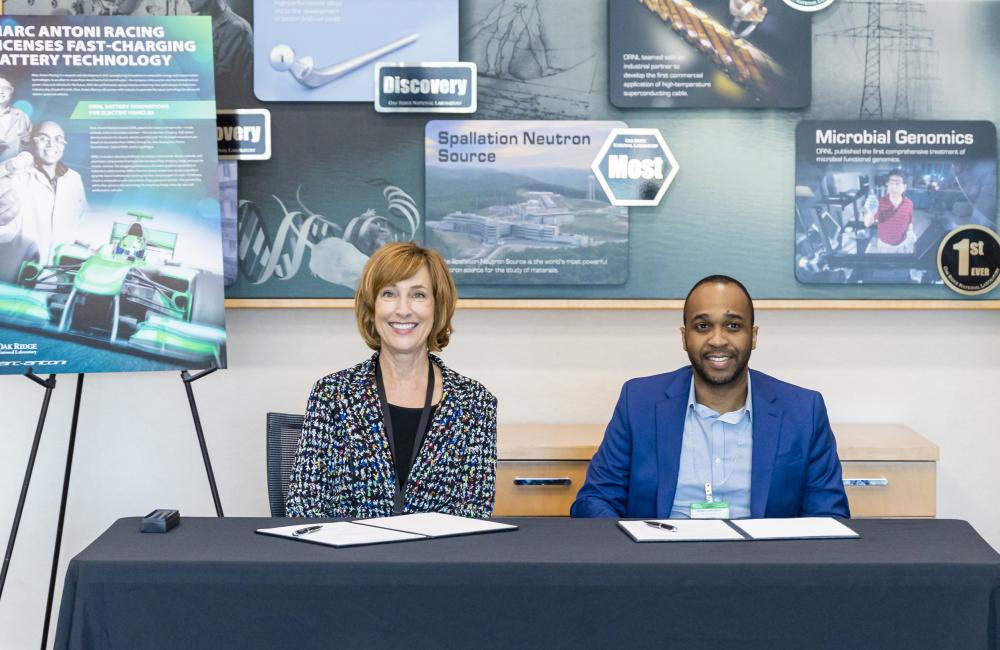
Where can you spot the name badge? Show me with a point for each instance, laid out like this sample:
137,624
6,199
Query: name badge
710,510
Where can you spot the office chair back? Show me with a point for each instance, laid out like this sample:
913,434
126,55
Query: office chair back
283,430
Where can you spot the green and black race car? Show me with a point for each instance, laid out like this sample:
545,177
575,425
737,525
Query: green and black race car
128,292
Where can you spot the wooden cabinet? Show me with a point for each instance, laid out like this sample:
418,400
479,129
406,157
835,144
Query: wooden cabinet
890,470
527,453
538,488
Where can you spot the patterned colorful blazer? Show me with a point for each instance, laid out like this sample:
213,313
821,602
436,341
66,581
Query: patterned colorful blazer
343,467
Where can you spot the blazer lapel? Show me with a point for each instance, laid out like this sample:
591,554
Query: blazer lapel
431,442
369,424
669,436
766,431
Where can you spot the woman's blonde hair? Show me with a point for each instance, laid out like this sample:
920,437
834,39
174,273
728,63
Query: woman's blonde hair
399,261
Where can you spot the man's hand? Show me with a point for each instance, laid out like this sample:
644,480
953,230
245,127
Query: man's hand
868,216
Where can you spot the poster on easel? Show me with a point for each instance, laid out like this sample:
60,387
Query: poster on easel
110,238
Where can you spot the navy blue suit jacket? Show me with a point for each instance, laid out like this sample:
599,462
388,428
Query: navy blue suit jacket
794,471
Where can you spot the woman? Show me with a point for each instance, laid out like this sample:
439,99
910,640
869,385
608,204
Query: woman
399,432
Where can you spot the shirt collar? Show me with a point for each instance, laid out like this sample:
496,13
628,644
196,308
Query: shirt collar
733,417
61,169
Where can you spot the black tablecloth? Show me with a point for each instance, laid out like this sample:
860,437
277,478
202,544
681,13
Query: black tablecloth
213,583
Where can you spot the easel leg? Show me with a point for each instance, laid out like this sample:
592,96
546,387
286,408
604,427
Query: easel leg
62,508
49,385
188,380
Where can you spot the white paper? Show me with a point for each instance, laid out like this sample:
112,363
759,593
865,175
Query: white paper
436,524
688,530
797,528
342,534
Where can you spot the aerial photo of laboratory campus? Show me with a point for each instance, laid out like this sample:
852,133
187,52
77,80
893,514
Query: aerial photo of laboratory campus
525,208
529,231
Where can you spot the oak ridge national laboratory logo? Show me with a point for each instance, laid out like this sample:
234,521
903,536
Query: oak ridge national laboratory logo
18,348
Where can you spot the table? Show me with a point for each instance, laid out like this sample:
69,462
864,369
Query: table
556,583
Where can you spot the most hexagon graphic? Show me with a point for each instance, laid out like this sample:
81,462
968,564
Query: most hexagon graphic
635,167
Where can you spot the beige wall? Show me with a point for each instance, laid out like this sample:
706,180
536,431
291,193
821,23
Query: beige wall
136,448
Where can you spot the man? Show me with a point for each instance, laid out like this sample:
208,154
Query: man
53,195
894,217
14,123
233,39
716,428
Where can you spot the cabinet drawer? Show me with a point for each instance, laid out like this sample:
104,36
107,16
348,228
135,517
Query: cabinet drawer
896,489
529,488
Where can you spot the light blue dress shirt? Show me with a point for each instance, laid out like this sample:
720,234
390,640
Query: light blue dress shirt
716,449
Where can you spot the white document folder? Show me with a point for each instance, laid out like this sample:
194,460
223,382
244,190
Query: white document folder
381,530
687,530
797,528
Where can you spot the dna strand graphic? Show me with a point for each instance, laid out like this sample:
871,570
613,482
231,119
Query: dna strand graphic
740,60
263,255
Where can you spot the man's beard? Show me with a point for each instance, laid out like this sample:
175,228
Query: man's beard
700,365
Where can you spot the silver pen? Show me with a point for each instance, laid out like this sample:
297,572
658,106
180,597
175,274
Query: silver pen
306,530
661,525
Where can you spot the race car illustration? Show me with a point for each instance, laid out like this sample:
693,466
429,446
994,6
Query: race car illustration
128,291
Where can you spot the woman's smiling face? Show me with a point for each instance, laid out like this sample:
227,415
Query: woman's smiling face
404,314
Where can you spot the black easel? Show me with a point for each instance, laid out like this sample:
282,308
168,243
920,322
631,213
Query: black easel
62,508
189,379
49,385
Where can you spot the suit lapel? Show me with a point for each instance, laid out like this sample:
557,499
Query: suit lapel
669,437
766,432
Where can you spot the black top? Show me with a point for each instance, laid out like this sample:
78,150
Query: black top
405,421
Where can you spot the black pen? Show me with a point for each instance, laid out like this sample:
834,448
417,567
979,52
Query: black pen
306,530
660,524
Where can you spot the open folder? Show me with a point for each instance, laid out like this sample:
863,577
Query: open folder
399,528
722,530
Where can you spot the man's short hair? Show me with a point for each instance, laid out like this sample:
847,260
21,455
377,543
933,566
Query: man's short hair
718,279
399,261
896,172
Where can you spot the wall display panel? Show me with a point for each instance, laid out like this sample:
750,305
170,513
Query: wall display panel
516,203
875,199
708,54
340,40
343,178
727,210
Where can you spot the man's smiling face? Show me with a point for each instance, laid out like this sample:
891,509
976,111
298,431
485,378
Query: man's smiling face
718,332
